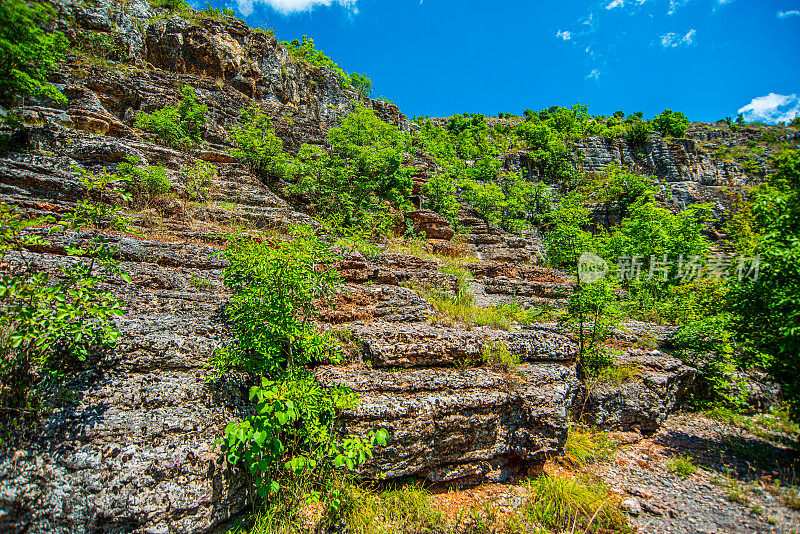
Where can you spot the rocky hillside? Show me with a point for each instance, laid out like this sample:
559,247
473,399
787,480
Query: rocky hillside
127,444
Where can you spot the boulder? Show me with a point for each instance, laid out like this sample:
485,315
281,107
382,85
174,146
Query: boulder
639,402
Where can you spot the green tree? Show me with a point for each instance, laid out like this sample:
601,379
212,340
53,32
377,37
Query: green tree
257,145
362,175
594,311
671,123
566,237
289,439
276,287
28,54
177,126
49,323
767,310
360,83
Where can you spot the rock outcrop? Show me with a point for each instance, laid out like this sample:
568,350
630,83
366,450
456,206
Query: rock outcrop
640,401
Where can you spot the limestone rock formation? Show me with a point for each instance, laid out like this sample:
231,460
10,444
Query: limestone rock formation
640,402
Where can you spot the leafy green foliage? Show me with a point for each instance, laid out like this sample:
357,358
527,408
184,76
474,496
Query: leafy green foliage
276,285
291,432
171,5
362,176
290,435
594,311
671,123
566,237
28,54
767,310
177,126
143,184
50,323
257,145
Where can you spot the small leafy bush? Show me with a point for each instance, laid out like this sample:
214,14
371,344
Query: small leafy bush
143,184
28,53
638,132
305,51
276,286
177,126
257,145
671,123
291,432
363,179
288,445
594,311
50,323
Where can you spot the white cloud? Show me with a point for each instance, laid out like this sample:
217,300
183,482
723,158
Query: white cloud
787,14
594,75
621,3
566,35
772,108
292,6
674,5
672,40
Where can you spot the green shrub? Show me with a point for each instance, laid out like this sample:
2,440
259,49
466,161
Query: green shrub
143,183
671,123
305,51
50,324
289,441
593,310
765,310
363,177
291,433
258,146
177,126
276,285
566,237
171,5
28,54
360,83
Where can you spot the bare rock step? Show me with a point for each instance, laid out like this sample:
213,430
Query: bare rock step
415,345
445,424
360,302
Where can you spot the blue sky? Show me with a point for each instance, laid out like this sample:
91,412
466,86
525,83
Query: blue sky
707,58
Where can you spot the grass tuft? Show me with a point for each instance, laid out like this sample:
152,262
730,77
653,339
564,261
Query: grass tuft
682,466
564,504
585,446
